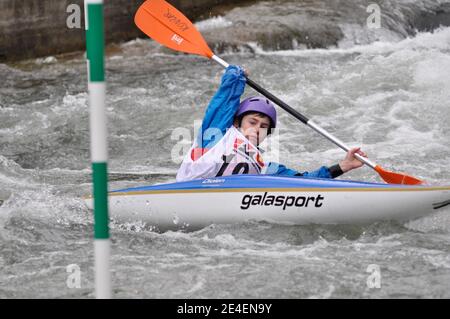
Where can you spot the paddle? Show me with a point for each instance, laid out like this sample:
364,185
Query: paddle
169,27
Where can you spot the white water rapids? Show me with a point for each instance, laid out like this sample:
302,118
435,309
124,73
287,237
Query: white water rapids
392,98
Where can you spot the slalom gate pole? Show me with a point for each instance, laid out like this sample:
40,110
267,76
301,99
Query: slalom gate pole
95,47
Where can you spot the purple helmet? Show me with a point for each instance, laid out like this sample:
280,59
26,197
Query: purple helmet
261,105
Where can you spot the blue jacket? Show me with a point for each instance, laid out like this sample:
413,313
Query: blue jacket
220,113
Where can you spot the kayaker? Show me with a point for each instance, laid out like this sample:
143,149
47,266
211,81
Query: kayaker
231,132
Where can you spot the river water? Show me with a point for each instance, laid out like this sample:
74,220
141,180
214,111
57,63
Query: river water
390,96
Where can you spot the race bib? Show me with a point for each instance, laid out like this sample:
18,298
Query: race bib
232,155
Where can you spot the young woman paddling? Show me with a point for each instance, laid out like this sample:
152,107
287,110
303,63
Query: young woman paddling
231,132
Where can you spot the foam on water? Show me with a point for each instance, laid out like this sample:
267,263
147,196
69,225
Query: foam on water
404,107
439,40
213,23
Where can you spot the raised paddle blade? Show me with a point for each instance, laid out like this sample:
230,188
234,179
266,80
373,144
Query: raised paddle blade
397,178
169,27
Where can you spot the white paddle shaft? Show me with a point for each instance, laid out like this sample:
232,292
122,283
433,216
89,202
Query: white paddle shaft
312,125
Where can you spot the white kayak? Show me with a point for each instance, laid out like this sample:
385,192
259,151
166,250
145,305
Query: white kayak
286,200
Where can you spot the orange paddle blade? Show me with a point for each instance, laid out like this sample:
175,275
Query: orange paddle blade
397,178
169,27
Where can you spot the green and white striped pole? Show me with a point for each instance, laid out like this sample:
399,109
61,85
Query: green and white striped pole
96,75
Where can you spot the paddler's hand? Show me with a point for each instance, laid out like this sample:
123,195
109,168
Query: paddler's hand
350,161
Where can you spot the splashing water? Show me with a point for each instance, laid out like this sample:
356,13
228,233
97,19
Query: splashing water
390,96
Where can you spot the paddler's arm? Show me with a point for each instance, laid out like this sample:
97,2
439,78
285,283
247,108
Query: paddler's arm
220,112
323,172
349,163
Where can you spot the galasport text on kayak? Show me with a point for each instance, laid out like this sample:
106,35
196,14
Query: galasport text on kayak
285,201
